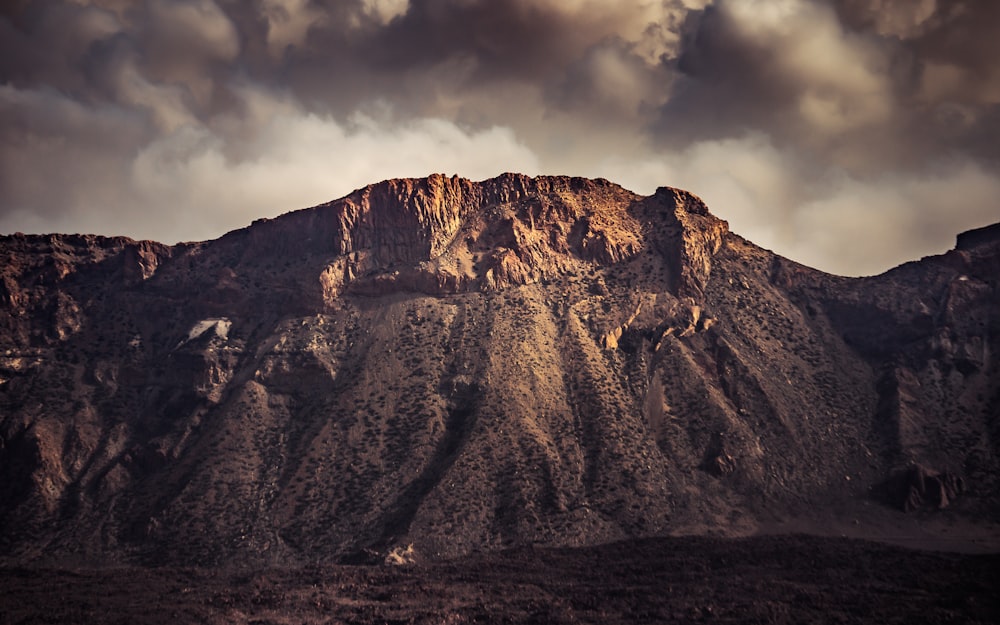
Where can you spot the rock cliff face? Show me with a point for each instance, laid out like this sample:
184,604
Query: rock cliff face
463,366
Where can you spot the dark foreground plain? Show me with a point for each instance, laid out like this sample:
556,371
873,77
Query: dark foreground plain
766,579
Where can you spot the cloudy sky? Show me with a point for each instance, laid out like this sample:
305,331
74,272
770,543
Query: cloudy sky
850,135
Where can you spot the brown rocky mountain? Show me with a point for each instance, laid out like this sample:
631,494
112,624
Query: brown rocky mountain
463,366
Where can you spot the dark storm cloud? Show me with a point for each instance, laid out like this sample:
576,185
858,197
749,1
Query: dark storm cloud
515,40
181,119
790,71
806,123
907,79
955,88
452,58
868,111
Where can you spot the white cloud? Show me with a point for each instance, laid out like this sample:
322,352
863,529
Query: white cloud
197,181
296,159
821,216
865,226
385,10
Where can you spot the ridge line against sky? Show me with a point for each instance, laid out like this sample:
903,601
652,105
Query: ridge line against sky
849,135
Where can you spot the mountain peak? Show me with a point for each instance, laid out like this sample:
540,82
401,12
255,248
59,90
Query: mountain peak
445,234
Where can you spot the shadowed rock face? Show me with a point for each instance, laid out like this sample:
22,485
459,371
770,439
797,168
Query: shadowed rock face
467,366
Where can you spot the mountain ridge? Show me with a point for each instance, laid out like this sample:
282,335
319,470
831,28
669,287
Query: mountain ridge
467,365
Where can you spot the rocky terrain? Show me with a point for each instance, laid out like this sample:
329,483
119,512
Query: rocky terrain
435,367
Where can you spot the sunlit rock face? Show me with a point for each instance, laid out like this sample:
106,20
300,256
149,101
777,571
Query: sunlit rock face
464,366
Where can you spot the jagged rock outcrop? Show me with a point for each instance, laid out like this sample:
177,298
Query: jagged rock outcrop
459,366
918,488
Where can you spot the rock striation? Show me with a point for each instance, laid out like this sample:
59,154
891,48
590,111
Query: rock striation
437,366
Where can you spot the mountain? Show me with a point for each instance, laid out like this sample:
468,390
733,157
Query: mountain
438,367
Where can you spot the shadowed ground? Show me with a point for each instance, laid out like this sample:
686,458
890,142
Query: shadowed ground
773,579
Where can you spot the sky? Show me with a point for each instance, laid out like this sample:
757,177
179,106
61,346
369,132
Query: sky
849,135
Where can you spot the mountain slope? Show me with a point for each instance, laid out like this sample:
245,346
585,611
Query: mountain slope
465,366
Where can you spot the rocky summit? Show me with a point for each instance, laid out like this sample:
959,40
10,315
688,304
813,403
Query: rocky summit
435,367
